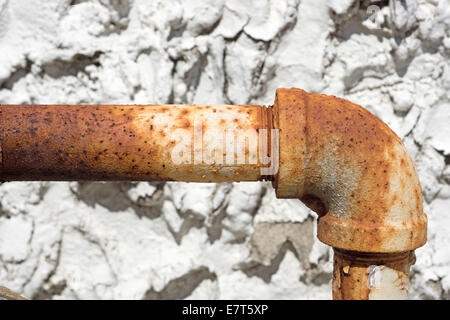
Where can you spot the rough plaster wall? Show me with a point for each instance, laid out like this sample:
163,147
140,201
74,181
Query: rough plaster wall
177,240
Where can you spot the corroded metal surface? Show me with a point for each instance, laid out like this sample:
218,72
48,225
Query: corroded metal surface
371,276
152,143
338,158
6,294
353,169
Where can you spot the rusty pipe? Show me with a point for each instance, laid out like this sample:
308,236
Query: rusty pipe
213,143
6,294
338,158
354,171
371,276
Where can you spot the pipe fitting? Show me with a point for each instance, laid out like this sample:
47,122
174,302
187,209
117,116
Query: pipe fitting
352,169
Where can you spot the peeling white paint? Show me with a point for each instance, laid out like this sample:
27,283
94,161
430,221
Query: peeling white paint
123,240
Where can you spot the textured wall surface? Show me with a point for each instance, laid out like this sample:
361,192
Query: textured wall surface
178,240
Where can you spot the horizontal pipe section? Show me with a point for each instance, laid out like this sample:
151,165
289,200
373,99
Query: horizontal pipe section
352,169
214,143
371,276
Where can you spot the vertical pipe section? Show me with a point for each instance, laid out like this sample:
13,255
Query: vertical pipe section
371,276
213,143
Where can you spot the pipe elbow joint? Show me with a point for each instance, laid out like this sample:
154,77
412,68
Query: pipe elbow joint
350,168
